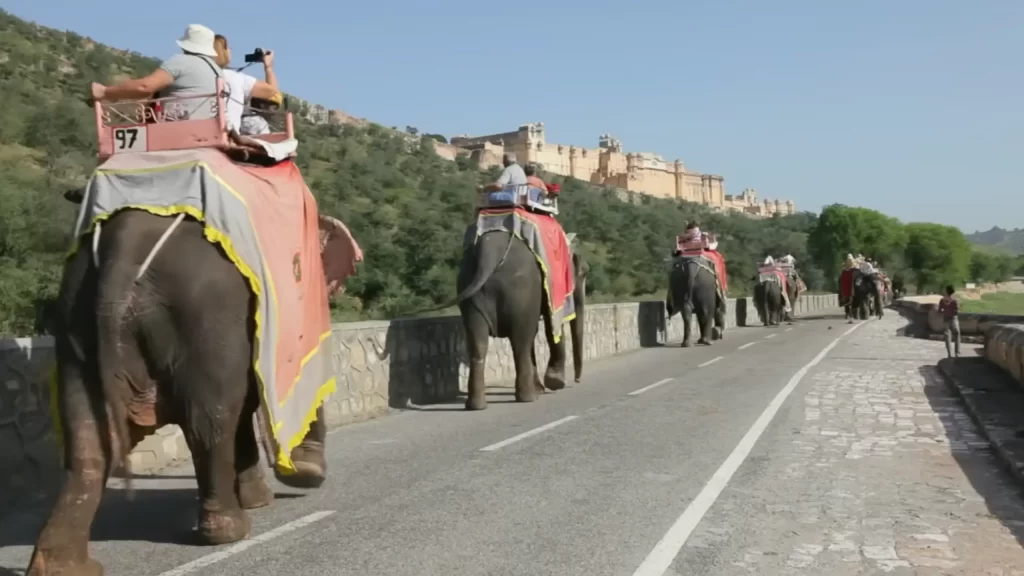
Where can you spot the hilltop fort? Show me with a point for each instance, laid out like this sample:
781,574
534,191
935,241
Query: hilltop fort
607,165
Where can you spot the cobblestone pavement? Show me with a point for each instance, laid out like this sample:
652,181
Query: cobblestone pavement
873,468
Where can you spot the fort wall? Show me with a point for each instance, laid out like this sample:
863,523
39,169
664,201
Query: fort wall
606,164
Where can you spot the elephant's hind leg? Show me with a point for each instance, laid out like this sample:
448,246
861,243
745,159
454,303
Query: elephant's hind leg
522,341
477,340
216,376
251,487
554,376
62,548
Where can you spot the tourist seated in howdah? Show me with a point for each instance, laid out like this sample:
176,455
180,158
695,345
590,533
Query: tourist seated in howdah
694,240
200,104
519,187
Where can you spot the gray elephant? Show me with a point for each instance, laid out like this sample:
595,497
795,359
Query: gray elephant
134,354
501,295
693,287
867,296
768,300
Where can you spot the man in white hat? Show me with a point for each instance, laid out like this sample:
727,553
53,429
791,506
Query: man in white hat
194,72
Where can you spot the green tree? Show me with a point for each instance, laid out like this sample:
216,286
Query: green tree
937,255
842,230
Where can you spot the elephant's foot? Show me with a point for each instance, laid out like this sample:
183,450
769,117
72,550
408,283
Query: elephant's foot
554,379
529,395
40,565
476,402
218,528
310,466
686,344
704,342
717,333
254,493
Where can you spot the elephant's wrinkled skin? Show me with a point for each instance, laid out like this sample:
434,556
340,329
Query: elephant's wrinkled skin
501,296
692,288
174,347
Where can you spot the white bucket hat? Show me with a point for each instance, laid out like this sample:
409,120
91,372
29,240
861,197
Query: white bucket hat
198,39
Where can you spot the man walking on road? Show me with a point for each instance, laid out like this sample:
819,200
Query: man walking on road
950,310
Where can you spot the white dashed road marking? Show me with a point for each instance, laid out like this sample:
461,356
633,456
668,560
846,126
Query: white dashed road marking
747,345
710,362
527,434
770,336
664,553
244,545
650,386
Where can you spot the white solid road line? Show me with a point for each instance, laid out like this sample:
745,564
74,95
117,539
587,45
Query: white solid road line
244,545
650,386
710,362
747,345
527,434
770,336
664,553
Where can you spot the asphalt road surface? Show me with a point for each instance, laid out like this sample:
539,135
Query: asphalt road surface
818,448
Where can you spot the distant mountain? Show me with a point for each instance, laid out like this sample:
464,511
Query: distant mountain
999,240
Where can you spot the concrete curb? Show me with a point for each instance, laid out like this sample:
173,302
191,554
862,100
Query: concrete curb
995,402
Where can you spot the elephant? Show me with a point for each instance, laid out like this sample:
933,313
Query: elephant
769,302
135,354
899,289
501,295
693,288
867,296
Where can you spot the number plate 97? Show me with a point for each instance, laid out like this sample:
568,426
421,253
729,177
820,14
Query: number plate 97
129,139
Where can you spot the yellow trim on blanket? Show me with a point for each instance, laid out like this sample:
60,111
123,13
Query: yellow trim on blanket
556,335
302,364
284,462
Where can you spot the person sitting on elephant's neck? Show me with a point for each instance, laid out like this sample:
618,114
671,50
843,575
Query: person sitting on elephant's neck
512,175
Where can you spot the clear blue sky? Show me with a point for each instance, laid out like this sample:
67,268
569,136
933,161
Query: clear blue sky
912,107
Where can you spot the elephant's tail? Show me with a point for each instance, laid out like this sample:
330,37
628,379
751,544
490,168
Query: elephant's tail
692,269
115,283
116,272
485,267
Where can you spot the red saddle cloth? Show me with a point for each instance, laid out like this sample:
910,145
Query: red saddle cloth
846,284
783,279
556,257
716,257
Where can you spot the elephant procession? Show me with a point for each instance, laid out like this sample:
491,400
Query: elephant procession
196,293
864,288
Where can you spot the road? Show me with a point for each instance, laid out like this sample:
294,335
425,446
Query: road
777,451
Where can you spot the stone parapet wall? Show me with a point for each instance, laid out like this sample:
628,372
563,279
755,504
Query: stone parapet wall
381,366
926,317
1004,347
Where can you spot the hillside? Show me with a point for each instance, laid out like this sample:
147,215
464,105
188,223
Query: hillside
1000,241
407,206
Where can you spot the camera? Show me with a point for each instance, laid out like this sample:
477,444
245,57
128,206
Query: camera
256,56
